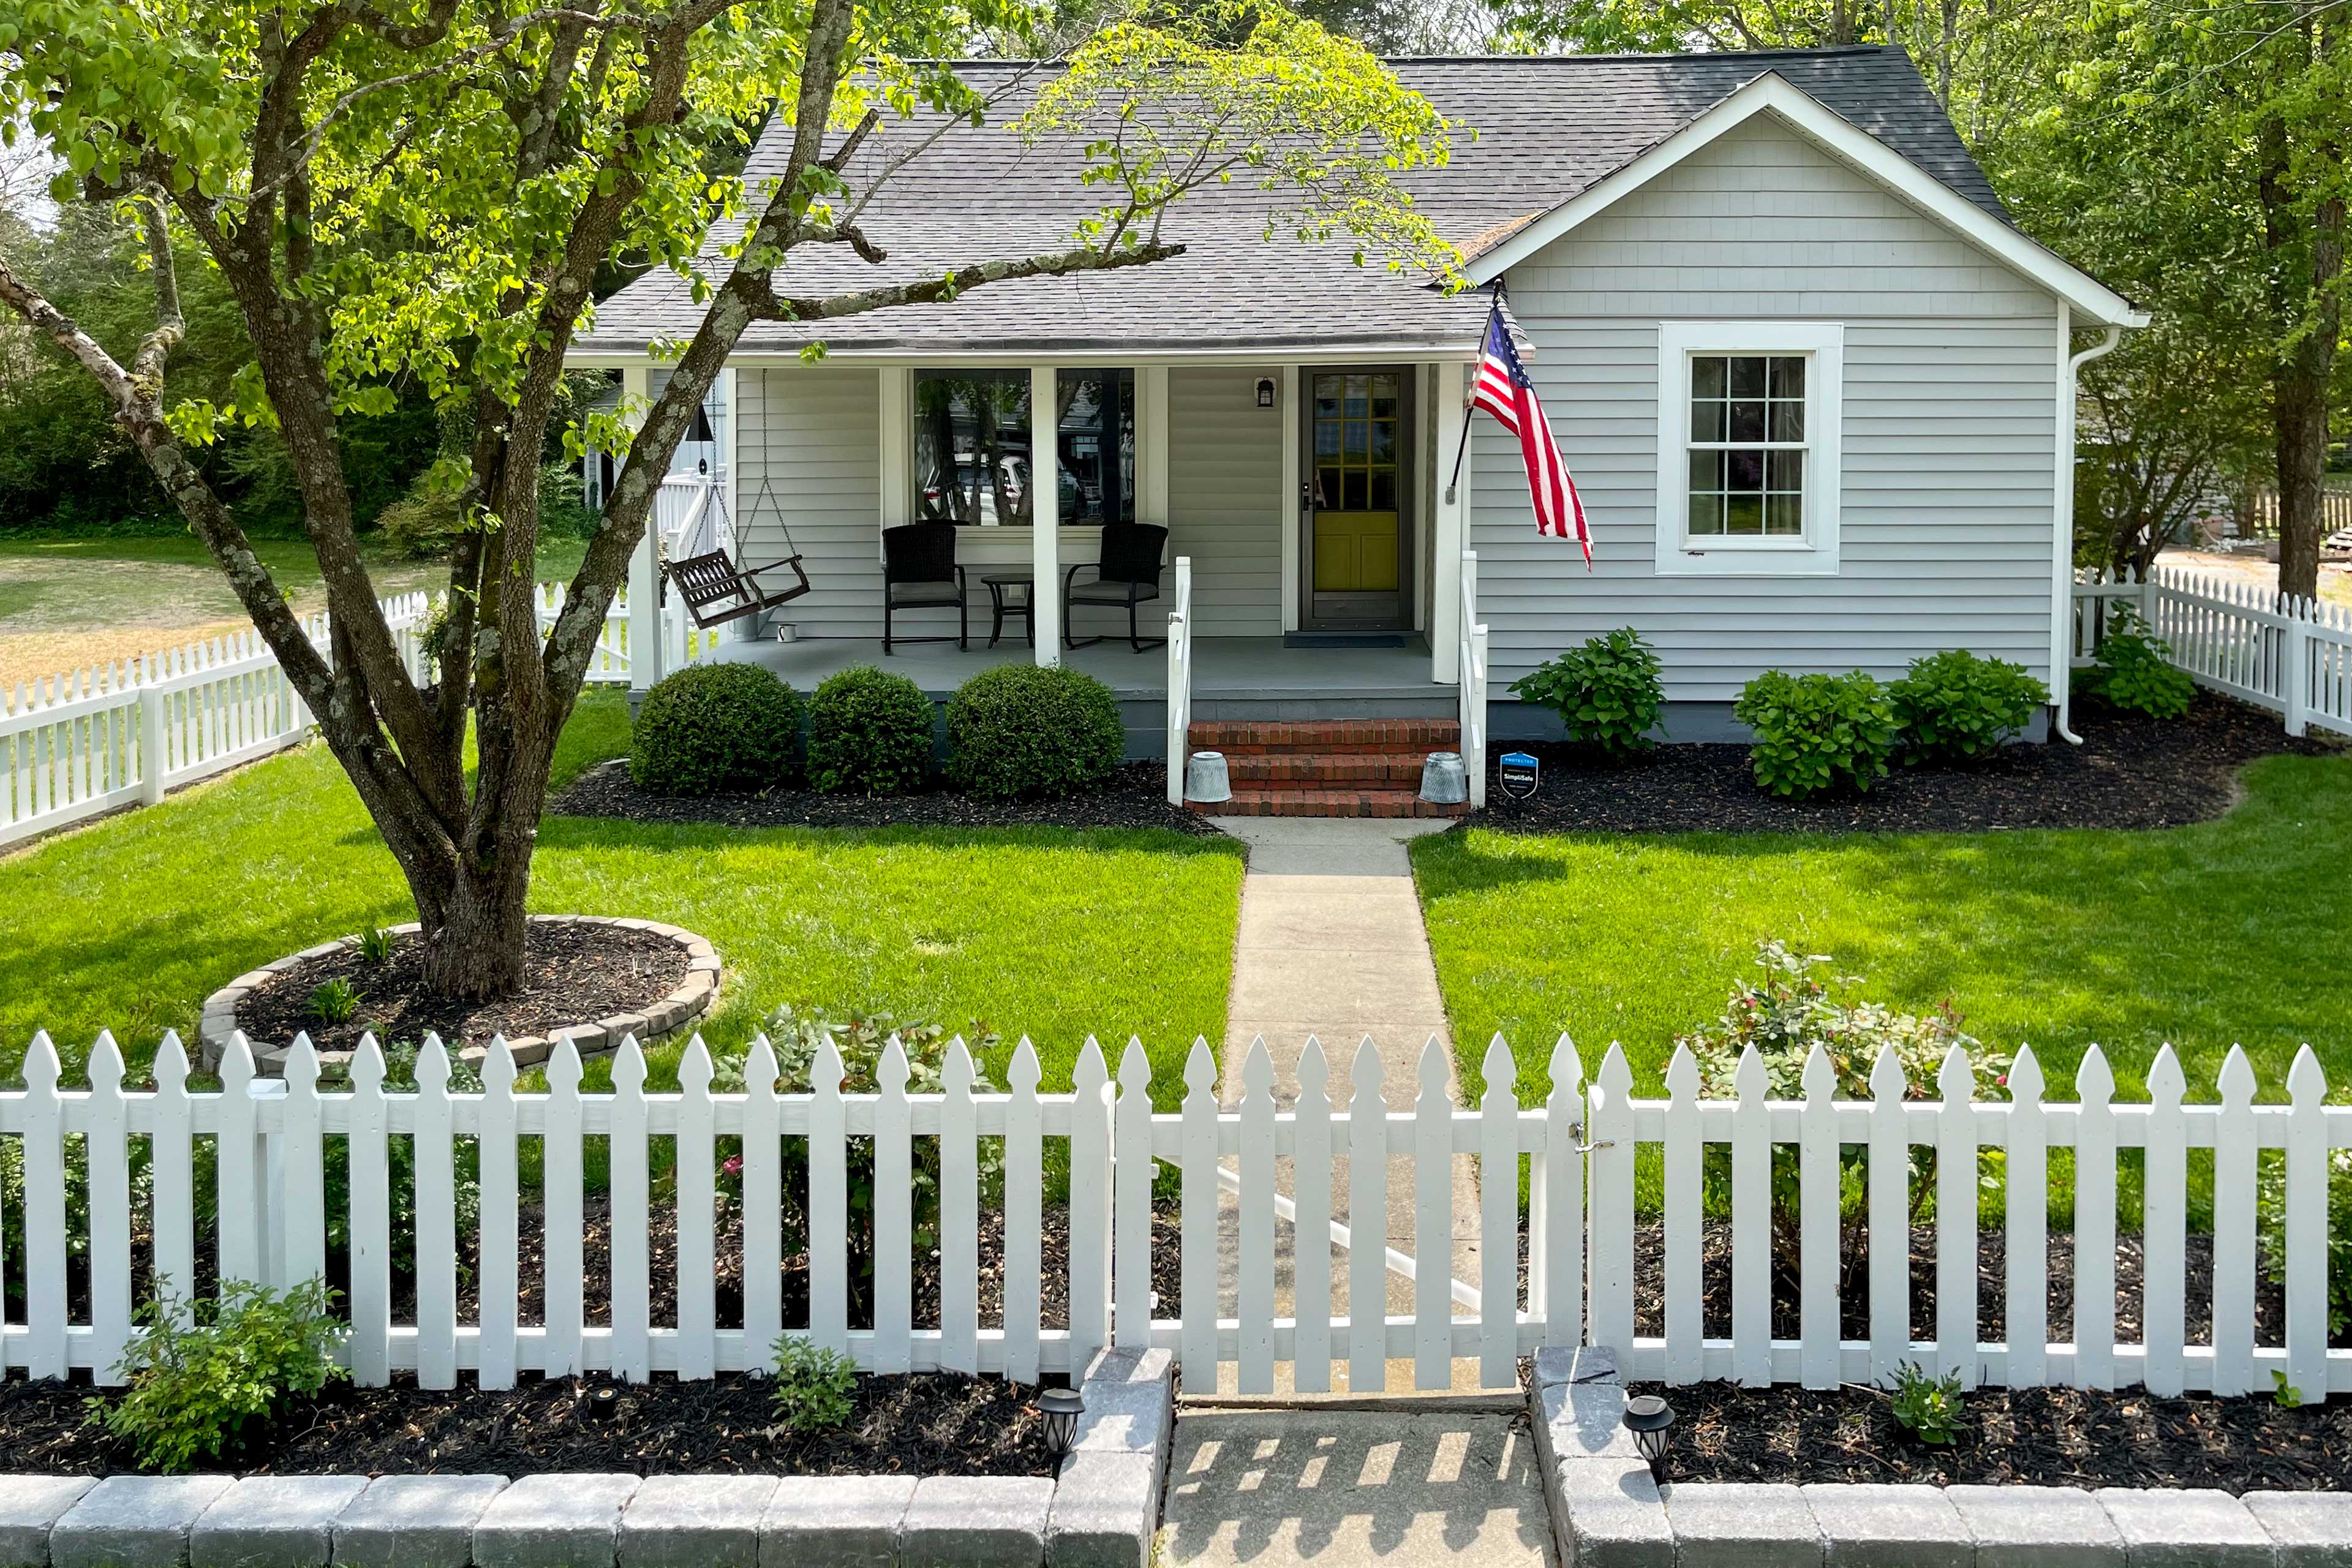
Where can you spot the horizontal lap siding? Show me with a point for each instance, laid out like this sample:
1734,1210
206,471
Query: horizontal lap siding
1949,428
808,456
1225,470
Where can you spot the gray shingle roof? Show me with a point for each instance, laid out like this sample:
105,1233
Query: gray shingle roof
1547,128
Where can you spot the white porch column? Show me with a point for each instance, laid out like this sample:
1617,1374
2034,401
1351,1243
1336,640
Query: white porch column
1287,505
1044,515
644,566
1449,527
1151,433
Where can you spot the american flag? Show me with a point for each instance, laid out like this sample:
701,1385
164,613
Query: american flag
1504,391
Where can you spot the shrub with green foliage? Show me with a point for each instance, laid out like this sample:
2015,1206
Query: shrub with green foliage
1023,730
196,1387
1815,732
1929,1407
712,727
1954,707
869,734
2134,672
1607,693
815,1387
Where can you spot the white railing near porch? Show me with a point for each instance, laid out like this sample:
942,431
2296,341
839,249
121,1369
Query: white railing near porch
1179,681
1473,692
1586,1224
2280,651
609,664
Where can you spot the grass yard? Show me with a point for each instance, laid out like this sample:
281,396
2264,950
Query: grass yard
2232,930
128,924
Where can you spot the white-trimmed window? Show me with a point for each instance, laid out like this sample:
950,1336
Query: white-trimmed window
1747,446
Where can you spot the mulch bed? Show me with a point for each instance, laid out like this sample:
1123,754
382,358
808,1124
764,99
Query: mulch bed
1135,796
929,1424
573,973
2039,1436
2130,771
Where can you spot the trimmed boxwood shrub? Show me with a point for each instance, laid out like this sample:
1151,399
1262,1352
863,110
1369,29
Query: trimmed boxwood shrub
1954,707
869,734
2134,672
1607,693
1815,732
712,727
1021,730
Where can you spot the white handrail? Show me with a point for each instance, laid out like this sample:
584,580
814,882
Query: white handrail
1179,681
1474,685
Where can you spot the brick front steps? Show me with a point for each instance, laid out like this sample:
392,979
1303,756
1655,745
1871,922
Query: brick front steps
1327,767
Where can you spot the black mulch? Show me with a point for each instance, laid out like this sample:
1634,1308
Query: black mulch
1135,796
2040,1436
929,1424
572,974
2130,771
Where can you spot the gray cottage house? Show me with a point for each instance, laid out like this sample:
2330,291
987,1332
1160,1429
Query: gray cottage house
1815,387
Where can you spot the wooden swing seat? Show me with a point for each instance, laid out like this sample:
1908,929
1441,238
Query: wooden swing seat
717,592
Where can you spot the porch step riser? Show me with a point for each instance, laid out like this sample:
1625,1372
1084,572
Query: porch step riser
1325,737
1386,803
1358,771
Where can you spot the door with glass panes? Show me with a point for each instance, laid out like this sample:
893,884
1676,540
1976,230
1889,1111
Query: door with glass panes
1353,544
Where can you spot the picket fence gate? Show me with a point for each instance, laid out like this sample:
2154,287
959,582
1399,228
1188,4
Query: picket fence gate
1581,1146
2280,651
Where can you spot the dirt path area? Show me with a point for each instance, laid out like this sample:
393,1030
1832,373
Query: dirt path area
2334,580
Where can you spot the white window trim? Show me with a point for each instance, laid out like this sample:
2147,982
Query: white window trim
1816,552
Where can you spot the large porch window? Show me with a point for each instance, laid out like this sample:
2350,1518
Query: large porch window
974,463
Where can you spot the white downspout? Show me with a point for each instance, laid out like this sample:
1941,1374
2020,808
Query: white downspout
2061,549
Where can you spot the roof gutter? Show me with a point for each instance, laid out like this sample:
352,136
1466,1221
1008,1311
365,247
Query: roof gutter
2061,548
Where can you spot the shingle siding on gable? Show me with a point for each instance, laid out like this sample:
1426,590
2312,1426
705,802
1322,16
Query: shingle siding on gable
1949,427
1224,475
811,438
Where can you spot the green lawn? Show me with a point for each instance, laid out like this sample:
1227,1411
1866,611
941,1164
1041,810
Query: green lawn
128,924
2232,930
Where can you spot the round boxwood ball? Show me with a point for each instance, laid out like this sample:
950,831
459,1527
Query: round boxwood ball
713,726
1021,730
869,734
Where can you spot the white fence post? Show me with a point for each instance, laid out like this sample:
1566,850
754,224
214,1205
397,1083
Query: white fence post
153,752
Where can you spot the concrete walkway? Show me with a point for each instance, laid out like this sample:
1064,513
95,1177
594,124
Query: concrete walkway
1332,944
1354,1489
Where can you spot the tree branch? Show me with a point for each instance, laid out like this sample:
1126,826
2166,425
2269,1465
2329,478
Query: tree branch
934,290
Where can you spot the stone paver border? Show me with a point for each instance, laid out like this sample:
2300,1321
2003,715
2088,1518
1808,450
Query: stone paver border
694,995
1607,1512
1101,1511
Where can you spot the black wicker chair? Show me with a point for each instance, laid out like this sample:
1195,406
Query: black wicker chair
1127,574
920,571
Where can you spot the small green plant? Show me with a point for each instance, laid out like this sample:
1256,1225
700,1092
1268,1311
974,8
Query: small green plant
816,1388
375,944
869,734
1955,707
2269,1213
1607,693
1817,733
2285,1395
2134,672
334,1002
712,727
1929,1407
196,1387
1023,730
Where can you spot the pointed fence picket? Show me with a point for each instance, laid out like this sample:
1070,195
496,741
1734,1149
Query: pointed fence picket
271,1143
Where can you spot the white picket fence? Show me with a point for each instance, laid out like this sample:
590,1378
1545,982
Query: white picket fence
2280,651
1582,1144
77,745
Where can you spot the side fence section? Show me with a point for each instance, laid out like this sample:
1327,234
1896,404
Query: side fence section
1738,1238
78,745
2279,651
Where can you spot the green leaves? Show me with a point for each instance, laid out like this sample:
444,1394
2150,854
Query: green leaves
194,1388
1955,707
1816,732
1609,693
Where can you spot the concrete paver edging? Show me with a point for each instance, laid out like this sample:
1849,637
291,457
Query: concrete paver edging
1608,1512
1101,1511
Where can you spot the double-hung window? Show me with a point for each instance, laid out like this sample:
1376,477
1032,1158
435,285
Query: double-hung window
1747,446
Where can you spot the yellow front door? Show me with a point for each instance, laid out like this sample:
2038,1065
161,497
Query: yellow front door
1357,441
